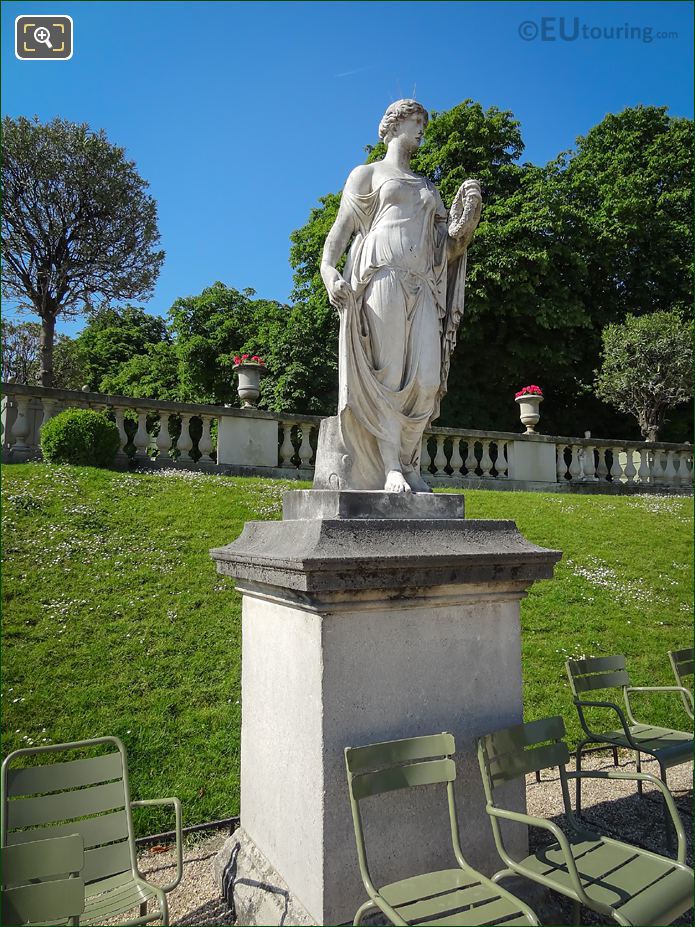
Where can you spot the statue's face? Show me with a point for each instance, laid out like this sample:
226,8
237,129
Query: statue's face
411,130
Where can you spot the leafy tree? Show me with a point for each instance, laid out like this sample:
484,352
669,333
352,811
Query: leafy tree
113,337
20,356
78,225
68,364
222,321
153,374
630,182
20,351
647,367
209,329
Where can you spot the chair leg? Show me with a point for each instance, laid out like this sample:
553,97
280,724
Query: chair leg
668,823
578,786
367,906
576,913
615,756
638,760
143,908
538,775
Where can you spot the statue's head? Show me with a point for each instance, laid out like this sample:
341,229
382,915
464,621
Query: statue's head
402,114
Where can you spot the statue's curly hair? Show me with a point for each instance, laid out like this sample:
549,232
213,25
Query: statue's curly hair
398,111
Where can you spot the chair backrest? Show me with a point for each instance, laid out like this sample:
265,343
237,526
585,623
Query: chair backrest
596,673
399,764
524,748
40,881
88,796
682,663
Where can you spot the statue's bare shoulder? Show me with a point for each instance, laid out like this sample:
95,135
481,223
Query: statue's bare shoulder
360,179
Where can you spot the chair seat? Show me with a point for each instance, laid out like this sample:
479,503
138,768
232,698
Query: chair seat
115,896
450,897
643,887
670,747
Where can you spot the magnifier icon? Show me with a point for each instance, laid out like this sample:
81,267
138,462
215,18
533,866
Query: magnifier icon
43,36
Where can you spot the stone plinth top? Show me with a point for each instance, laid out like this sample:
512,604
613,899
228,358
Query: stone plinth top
339,504
349,554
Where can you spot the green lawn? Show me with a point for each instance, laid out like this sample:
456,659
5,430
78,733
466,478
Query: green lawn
115,620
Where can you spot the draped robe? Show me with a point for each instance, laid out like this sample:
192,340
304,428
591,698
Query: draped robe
396,335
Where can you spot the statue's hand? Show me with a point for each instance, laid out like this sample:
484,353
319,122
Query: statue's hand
338,289
465,210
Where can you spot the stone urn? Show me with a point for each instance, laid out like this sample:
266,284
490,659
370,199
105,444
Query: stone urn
528,410
249,383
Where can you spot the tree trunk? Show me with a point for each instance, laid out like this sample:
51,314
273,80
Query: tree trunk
48,327
652,433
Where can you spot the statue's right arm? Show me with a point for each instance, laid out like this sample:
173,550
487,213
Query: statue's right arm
343,229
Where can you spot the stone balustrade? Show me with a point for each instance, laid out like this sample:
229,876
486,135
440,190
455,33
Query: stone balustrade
225,439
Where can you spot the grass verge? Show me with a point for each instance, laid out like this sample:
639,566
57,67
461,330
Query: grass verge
115,621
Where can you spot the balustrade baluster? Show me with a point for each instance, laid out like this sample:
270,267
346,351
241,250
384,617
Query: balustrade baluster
659,462
486,461
184,442
501,464
678,475
440,458
49,410
670,476
20,428
575,466
287,448
205,442
118,414
425,459
456,461
164,442
305,450
560,465
141,438
686,467
602,469
589,464
471,464
629,470
645,471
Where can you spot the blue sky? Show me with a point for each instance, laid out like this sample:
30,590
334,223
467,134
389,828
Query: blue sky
241,114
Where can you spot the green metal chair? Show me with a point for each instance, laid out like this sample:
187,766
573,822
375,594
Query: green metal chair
41,881
668,747
618,880
458,896
88,796
682,663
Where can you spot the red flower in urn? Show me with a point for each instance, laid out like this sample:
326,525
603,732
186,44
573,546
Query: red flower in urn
529,391
241,359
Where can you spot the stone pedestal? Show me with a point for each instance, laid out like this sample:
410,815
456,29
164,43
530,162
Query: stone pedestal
381,617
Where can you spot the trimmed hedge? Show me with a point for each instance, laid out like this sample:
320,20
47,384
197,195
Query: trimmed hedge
81,437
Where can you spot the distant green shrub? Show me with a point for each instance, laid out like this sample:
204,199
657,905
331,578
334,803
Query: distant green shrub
81,437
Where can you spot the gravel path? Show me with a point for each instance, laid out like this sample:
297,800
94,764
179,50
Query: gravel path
614,806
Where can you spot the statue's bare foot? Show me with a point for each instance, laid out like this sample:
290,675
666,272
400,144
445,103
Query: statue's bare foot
416,482
396,482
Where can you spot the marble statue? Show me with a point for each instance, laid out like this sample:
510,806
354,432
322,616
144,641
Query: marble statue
400,301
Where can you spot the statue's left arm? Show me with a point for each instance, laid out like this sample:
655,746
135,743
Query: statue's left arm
462,221
463,218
